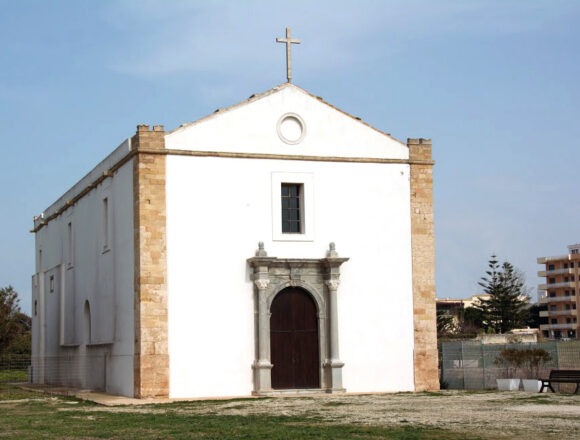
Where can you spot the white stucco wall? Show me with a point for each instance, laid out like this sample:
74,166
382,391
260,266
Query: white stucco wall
252,128
103,277
217,211
219,208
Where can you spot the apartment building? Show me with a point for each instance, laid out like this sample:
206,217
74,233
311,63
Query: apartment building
561,294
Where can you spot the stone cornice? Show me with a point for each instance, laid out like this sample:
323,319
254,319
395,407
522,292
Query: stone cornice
232,155
294,262
84,191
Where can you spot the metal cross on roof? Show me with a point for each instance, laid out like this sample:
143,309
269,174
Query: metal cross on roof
289,41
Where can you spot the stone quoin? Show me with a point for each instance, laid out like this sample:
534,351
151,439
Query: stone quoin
276,246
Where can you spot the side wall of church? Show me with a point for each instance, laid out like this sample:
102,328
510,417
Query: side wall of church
217,211
83,286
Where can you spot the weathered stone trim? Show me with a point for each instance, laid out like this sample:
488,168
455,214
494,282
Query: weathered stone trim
423,266
69,203
257,96
319,277
151,351
110,172
233,155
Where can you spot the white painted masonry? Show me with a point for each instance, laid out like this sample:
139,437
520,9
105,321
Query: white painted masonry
217,210
211,311
102,276
252,128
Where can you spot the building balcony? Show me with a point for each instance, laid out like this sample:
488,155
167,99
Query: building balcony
544,260
571,326
553,299
546,273
547,313
568,284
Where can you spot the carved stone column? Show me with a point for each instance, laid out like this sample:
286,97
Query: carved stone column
333,306
334,364
318,277
263,366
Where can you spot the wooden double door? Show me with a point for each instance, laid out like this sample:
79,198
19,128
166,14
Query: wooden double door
294,340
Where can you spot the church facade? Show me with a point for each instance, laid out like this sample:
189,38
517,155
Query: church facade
276,246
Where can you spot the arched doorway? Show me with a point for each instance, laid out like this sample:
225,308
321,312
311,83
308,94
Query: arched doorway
294,340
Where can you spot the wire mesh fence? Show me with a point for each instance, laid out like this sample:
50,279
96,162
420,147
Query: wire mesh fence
471,365
57,374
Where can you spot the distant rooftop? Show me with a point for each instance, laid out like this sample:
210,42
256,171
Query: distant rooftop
573,249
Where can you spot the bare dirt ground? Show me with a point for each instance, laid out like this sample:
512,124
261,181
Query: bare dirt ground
504,415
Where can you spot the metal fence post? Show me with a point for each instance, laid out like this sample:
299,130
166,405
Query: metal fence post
462,365
482,365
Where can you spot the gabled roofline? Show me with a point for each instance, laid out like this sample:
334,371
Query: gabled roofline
259,96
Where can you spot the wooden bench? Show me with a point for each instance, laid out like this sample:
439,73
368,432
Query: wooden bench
561,376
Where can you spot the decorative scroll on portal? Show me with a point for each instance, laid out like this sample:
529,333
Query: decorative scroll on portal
318,277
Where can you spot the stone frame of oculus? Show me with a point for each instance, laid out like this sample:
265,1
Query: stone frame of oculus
291,128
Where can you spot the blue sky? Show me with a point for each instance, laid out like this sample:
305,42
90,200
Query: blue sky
493,83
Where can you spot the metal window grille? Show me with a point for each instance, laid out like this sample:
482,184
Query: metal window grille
291,208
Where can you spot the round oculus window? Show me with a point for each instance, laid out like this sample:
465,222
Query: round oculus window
291,128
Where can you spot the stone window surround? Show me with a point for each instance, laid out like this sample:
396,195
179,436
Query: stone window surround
318,277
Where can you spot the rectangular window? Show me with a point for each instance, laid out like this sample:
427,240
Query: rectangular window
565,265
69,245
551,280
105,224
292,208
554,321
551,267
51,283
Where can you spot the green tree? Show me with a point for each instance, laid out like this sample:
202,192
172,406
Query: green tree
506,307
14,325
473,318
534,320
444,323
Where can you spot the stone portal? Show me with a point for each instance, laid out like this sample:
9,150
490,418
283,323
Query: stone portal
319,280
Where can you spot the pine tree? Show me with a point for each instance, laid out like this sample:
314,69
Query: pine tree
506,307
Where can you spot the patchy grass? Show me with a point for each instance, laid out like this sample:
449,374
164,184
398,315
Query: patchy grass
445,415
547,399
540,399
335,403
11,392
47,418
13,376
432,394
